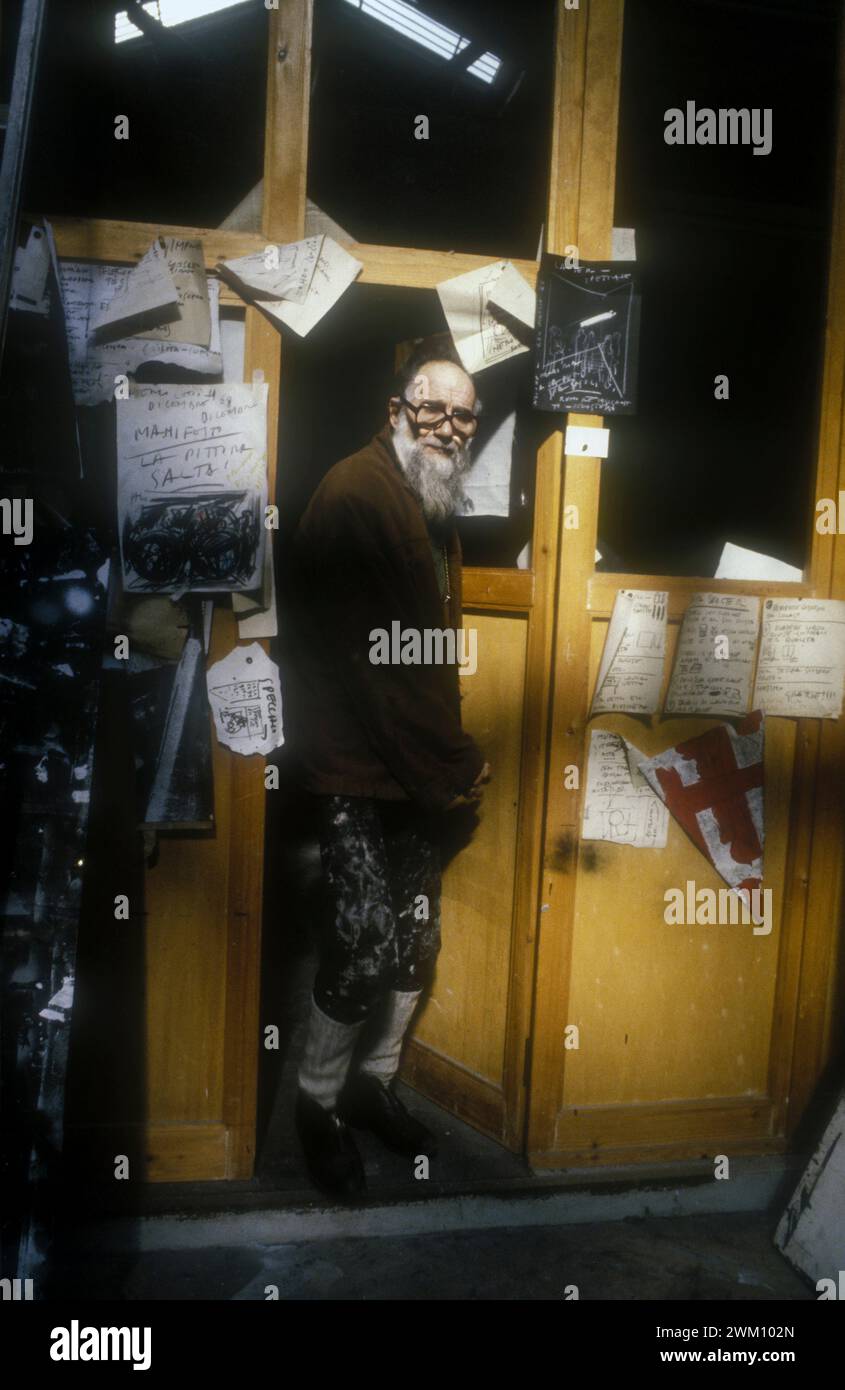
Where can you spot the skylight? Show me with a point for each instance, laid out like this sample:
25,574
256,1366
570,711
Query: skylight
436,37
170,13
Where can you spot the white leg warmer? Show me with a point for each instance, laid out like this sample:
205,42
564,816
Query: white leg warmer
382,1059
328,1052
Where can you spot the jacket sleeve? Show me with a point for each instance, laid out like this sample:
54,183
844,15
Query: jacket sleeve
361,582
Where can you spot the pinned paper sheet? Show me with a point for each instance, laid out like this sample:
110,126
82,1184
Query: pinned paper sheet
192,488
277,272
186,263
619,804
480,338
86,289
513,295
29,276
713,786
333,274
737,563
488,482
256,614
246,701
801,669
148,296
631,670
714,662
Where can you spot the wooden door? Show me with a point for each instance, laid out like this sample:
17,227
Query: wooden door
711,1043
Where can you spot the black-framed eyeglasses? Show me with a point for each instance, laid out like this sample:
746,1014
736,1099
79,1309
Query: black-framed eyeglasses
429,415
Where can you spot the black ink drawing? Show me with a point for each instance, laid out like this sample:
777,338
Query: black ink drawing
192,542
586,337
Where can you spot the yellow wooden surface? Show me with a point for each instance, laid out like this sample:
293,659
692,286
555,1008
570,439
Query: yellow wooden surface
465,1015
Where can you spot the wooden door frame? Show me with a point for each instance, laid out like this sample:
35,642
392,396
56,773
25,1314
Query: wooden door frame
808,1010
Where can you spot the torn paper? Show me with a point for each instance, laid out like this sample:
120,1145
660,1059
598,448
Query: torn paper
148,296
619,805
256,614
802,658
186,263
333,274
192,487
631,670
713,785
29,275
514,296
277,272
87,288
488,482
714,661
738,563
59,1005
246,701
480,338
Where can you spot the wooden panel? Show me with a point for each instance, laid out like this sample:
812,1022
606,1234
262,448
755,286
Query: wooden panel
465,1016
286,128
493,588
651,1133
471,1098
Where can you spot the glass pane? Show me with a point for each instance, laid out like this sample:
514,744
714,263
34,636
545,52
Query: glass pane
479,75
732,248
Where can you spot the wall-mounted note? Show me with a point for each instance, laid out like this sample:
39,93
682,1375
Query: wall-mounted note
192,488
333,274
88,288
631,670
186,263
147,297
246,701
736,562
29,275
586,339
514,296
801,669
619,805
479,336
277,272
714,662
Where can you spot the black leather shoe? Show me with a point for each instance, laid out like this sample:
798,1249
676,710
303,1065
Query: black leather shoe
333,1160
365,1103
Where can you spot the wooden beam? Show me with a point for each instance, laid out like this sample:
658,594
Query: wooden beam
286,125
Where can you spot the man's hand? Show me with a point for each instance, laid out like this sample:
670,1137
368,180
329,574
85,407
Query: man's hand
475,792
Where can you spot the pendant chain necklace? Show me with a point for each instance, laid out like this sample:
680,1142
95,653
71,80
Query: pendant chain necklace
447,595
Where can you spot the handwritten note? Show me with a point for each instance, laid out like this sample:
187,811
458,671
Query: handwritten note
333,274
631,669
246,701
148,296
619,805
192,487
186,263
277,272
29,275
87,289
714,664
801,669
479,336
513,294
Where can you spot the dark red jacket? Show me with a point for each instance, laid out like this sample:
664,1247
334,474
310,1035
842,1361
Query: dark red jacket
360,560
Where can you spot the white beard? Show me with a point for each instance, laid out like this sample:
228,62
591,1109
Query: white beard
434,475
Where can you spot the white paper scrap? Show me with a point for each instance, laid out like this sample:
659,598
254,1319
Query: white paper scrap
513,294
246,700
631,669
801,669
277,272
619,805
333,274
714,662
738,563
148,295
186,263
480,338
29,275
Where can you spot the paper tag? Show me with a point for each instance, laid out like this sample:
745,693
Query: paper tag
590,443
246,700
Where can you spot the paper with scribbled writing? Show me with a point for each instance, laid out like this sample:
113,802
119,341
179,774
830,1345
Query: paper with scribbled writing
277,272
619,805
714,661
631,670
801,668
513,294
186,263
86,288
479,336
334,273
148,296
192,487
246,701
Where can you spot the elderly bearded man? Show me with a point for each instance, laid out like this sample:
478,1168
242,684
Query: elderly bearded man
381,746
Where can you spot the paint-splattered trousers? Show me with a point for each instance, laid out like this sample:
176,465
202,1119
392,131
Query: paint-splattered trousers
381,869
